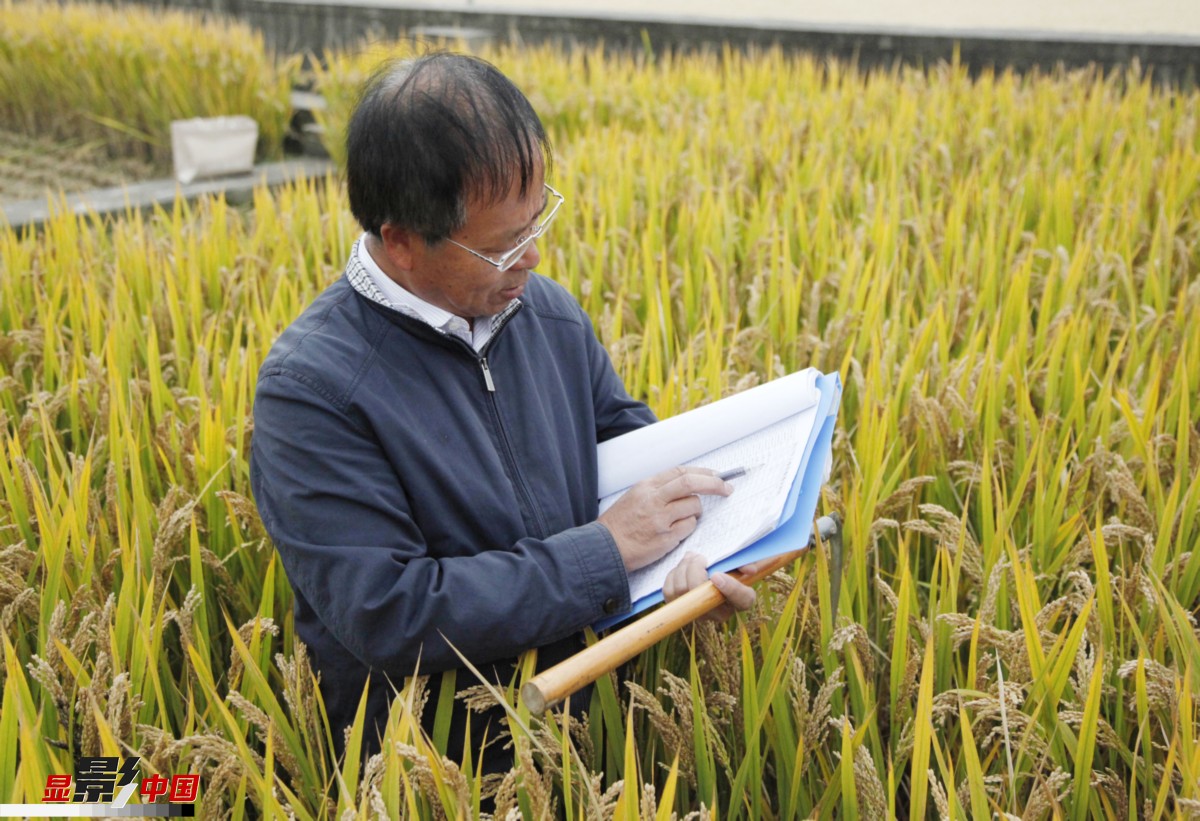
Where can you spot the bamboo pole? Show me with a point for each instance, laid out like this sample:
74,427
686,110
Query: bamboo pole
581,669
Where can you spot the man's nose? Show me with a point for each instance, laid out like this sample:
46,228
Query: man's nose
530,257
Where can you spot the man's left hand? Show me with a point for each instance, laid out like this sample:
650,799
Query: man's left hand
691,572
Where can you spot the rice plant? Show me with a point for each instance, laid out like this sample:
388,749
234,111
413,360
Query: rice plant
117,76
1002,268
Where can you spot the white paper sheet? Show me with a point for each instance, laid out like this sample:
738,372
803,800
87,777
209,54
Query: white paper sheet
637,455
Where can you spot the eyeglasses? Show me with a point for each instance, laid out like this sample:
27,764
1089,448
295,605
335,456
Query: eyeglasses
508,258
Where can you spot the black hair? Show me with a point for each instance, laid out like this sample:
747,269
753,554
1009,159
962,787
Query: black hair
430,133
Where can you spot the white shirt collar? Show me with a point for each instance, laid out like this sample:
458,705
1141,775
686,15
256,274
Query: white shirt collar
401,298
389,292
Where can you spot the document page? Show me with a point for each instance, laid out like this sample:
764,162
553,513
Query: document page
771,457
639,454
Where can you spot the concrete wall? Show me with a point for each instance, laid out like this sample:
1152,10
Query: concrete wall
291,27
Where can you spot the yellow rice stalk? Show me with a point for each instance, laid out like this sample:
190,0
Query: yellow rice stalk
119,75
1003,269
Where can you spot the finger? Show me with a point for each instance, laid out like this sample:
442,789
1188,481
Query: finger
692,483
687,480
720,615
695,569
748,569
671,585
677,581
688,506
738,595
680,530
689,574
668,475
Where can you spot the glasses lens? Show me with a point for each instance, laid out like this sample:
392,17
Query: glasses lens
544,219
515,254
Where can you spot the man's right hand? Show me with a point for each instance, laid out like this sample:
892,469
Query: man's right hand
658,513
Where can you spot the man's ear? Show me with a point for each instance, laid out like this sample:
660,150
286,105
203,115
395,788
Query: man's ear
399,245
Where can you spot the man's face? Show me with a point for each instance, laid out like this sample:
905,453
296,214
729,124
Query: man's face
456,280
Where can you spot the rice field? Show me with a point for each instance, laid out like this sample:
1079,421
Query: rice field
1004,271
114,77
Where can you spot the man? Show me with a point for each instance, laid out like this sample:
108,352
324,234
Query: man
424,452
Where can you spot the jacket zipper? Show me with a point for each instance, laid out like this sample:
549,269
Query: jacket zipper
482,355
507,454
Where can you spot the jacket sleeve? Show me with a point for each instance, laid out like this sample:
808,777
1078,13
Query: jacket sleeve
616,411
340,520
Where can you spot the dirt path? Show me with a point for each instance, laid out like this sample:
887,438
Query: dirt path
31,168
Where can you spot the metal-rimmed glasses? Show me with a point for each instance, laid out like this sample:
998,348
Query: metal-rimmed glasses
506,260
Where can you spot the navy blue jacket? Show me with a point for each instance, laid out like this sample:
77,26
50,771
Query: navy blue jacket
409,501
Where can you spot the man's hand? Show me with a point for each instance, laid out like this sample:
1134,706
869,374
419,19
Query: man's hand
656,514
691,573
